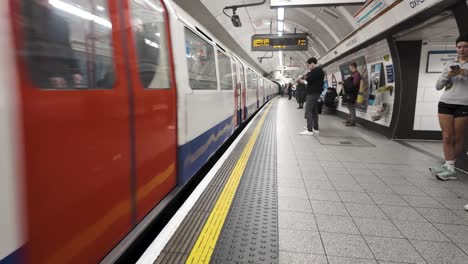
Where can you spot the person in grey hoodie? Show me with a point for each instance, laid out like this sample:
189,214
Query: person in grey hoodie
453,109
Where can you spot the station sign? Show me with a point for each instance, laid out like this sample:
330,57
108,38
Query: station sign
288,42
297,3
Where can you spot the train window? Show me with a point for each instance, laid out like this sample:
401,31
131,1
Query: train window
249,79
150,36
225,71
200,61
68,44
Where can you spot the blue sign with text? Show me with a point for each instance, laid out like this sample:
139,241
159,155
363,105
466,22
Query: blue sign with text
390,74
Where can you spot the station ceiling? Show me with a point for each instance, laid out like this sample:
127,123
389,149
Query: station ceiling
325,26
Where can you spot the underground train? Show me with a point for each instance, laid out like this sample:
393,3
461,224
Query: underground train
107,108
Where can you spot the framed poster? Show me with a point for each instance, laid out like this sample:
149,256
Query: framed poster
437,59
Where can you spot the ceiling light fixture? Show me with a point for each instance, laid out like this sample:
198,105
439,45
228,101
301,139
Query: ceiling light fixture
281,14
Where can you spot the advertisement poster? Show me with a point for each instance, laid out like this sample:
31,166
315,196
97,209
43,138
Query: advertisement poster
363,96
377,80
436,60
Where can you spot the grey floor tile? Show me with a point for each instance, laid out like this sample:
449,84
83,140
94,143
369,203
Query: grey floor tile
392,262
393,249
299,193
402,213
452,203
461,213
377,188
300,258
441,216
332,164
300,241
440,192
347,187
388,199
319,185
464,247
355,197
336,224
438,252
408,190
422,201
354,165
295,220
329,208
365,210
343,260
324,195
294,204
420,231
345,245
367,179
377,227
397,180
456,233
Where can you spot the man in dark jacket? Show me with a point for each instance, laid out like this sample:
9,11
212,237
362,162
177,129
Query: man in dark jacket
314,87
356,77
300,93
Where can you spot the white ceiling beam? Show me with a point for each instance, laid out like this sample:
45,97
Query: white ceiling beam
321,22
347,16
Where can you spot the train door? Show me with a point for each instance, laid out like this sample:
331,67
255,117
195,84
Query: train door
76,128
237,92
243,91
154,103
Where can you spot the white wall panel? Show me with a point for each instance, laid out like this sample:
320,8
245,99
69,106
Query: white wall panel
427,96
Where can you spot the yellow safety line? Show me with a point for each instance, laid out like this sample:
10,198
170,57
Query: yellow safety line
206,242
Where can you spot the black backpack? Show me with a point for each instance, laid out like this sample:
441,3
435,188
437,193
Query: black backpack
348,85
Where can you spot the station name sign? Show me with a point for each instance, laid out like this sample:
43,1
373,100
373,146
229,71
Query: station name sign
296,3
289,42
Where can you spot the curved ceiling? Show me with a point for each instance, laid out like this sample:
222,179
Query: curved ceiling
326,26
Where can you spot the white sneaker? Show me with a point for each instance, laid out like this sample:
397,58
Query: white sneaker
466,207
306,133
316,132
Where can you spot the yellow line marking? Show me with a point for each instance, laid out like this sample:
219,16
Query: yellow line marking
206,242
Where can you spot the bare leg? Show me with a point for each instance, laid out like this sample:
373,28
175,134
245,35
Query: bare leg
447,126
460,124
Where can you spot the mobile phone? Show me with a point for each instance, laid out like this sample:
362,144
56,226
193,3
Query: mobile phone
455,67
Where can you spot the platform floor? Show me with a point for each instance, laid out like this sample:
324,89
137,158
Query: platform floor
346,196
377,204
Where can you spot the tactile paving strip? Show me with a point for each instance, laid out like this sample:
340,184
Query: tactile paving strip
250,233
181,243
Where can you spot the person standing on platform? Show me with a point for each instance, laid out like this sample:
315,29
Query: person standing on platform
453,109
353,93
300,93
314,87
289,91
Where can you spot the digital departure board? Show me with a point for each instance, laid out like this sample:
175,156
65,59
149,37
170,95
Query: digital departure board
267,42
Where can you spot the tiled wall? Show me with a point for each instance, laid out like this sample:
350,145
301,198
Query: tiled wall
425,117
373,54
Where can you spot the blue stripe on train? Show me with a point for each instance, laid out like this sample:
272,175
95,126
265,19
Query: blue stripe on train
194,154
19,256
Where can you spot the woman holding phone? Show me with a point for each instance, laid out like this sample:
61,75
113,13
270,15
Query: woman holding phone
453,109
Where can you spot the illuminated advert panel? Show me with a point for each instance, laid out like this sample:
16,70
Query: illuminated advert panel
296,3
291,42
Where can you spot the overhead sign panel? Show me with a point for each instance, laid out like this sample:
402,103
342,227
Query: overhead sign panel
296,3
290,42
